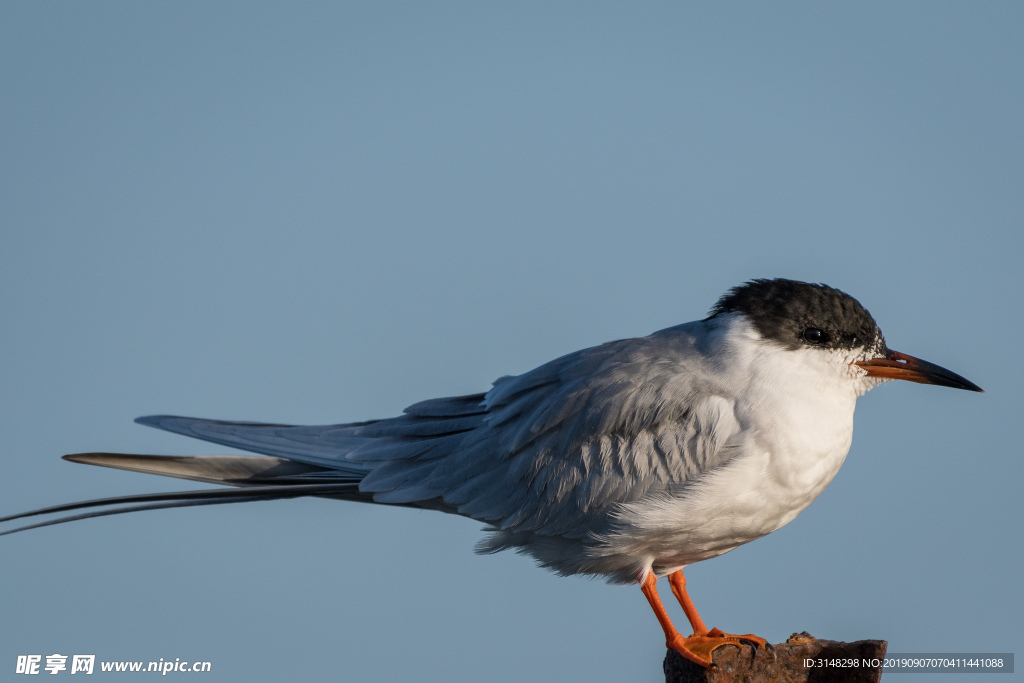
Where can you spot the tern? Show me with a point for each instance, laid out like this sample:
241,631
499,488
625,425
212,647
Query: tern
631,460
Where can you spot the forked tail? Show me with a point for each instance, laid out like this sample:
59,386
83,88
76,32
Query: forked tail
256,477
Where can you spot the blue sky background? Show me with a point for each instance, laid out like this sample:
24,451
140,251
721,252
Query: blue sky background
324,212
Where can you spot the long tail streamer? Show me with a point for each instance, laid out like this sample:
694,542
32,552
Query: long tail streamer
159,501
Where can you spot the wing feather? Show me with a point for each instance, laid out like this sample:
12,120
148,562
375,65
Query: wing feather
554,451
561,447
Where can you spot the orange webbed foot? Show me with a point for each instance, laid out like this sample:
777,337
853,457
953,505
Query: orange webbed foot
698,648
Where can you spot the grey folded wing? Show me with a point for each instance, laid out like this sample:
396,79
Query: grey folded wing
551,451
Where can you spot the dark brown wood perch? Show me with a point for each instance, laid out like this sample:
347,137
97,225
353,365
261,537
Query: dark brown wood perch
750,665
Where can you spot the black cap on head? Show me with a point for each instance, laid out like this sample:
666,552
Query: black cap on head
798,314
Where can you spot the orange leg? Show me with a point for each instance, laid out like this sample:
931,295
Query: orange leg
678,583
698,647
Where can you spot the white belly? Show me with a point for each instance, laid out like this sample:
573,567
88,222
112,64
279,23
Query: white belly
777,472
743,502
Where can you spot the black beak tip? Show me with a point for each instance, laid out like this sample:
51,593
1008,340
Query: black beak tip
954,381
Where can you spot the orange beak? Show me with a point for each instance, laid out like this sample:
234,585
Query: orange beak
898,365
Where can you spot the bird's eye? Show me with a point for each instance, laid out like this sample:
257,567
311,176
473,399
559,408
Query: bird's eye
812,335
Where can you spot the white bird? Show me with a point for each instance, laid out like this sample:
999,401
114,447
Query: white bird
630,460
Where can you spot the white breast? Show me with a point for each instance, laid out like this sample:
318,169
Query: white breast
795,409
